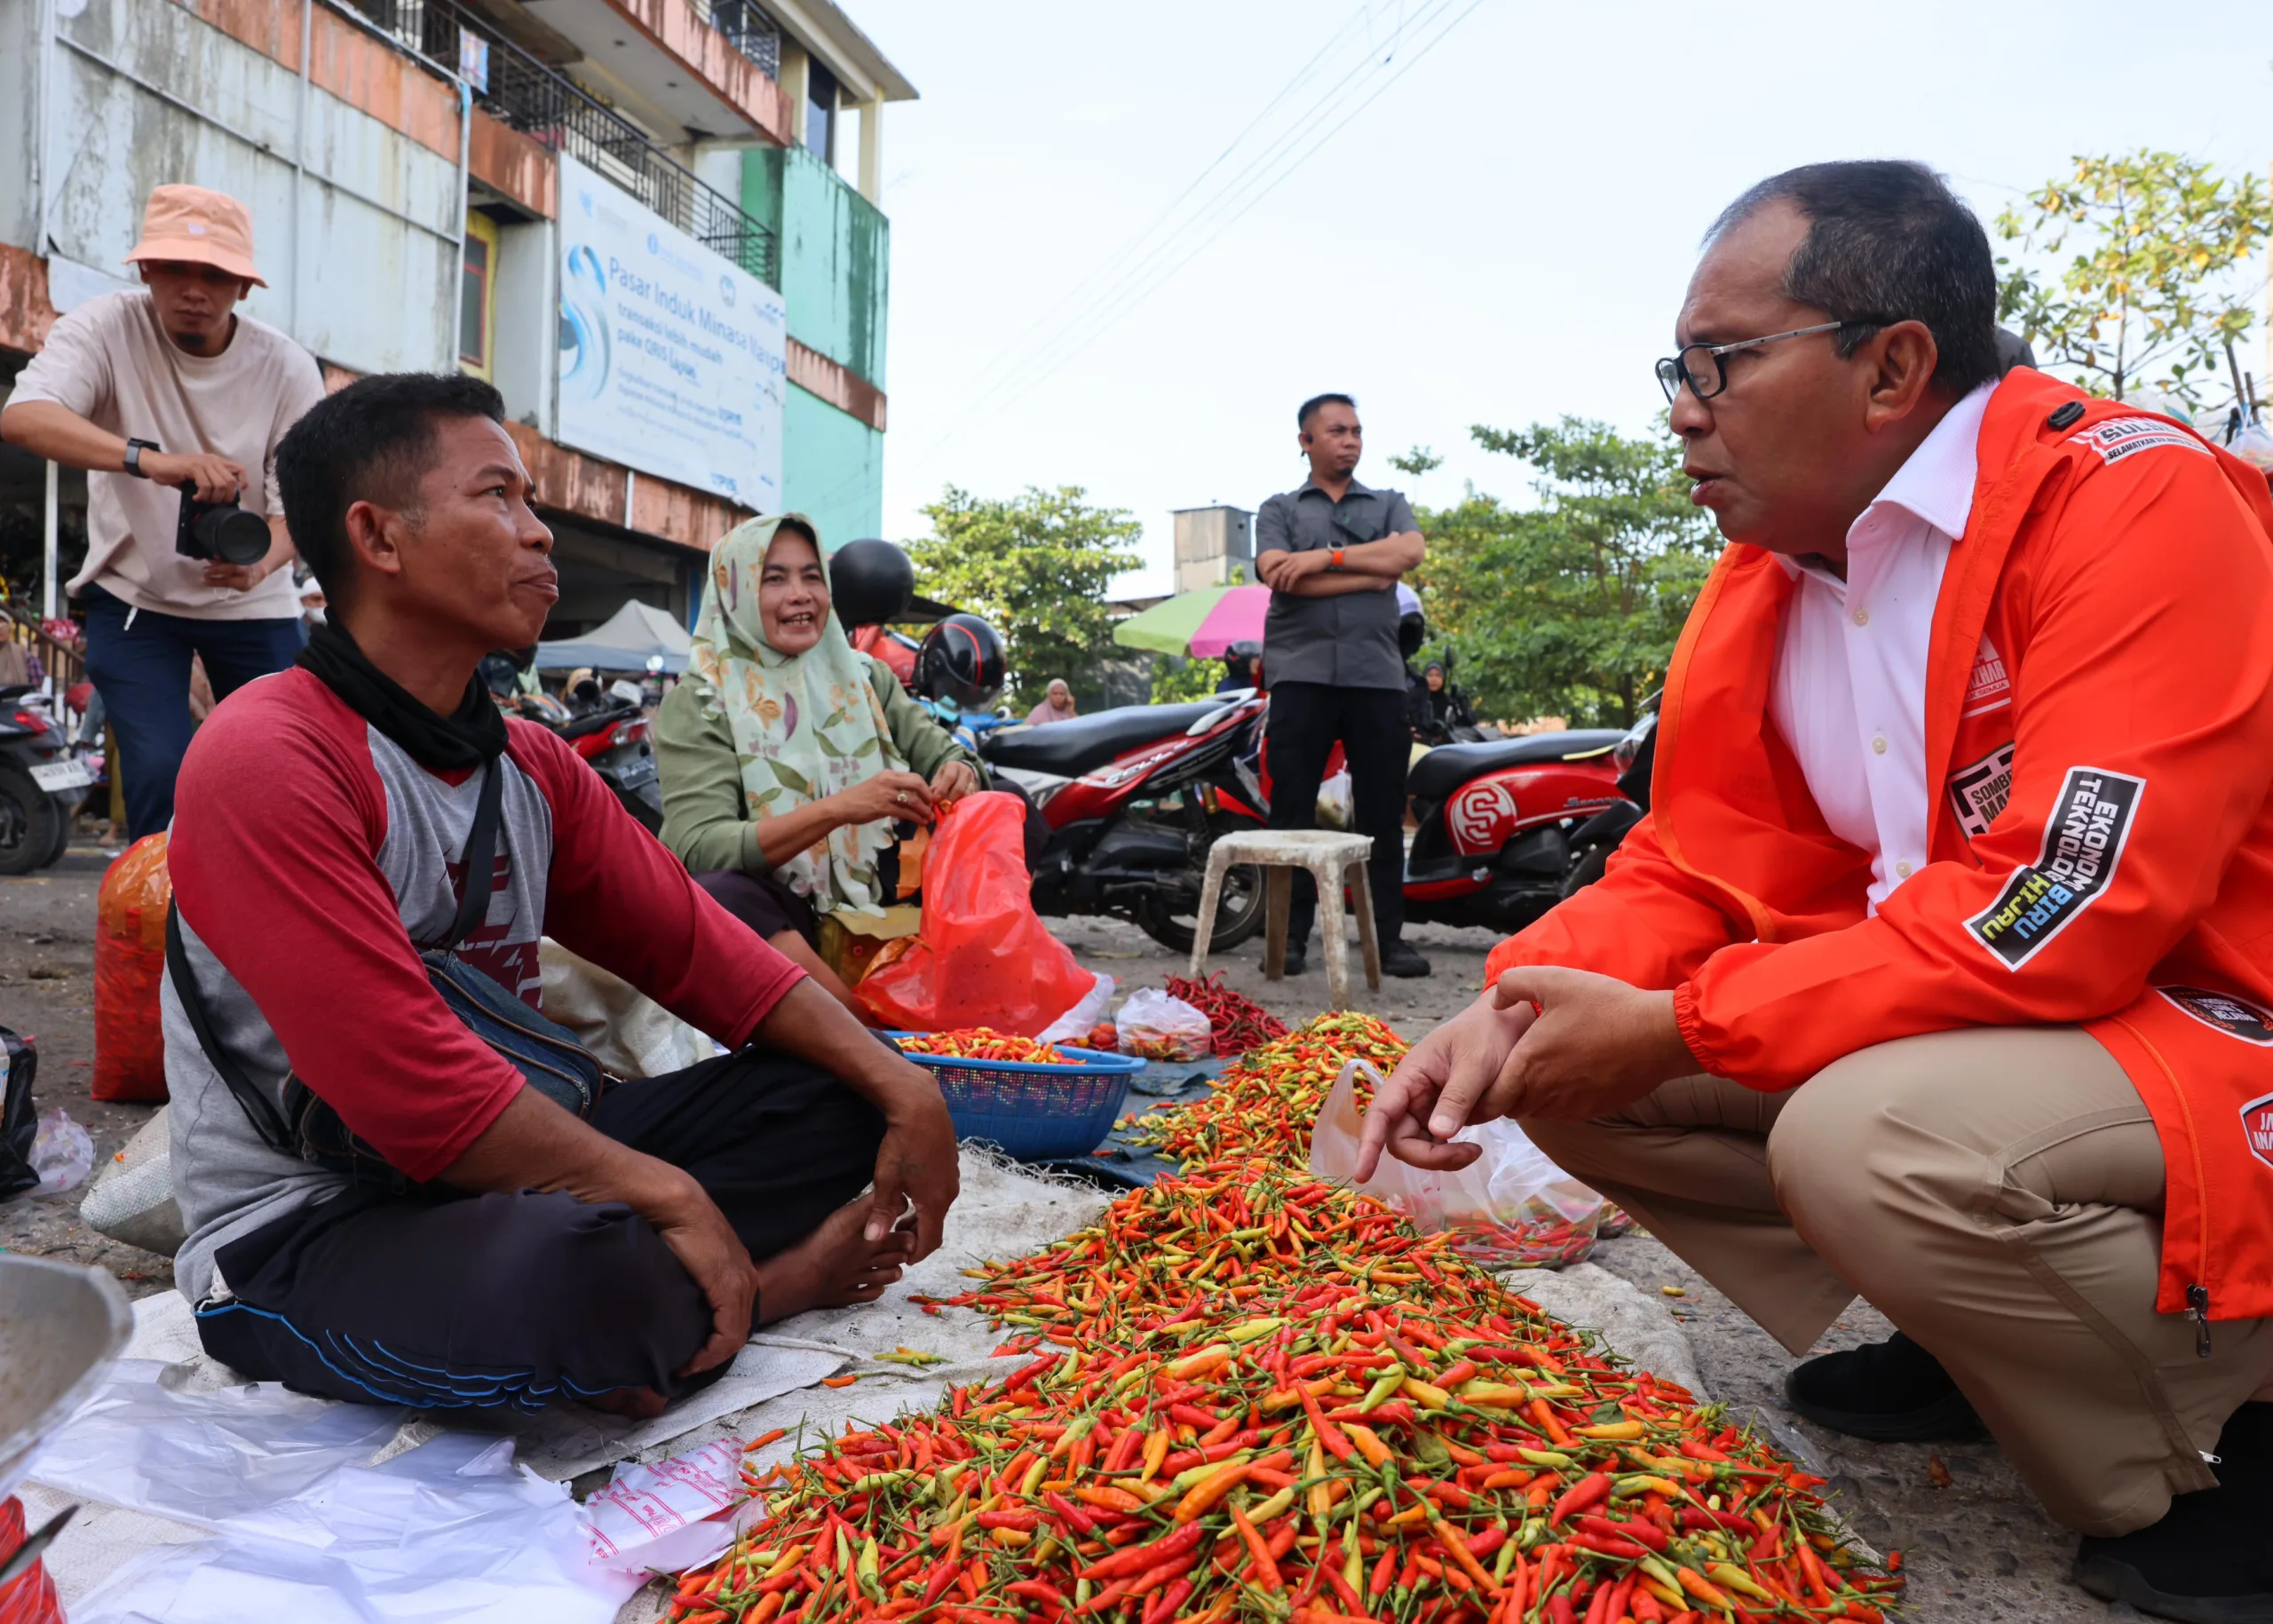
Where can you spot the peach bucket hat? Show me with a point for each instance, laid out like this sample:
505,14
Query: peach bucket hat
190,224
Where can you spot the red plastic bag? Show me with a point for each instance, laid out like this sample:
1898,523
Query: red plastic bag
29,1597
983,958
129,966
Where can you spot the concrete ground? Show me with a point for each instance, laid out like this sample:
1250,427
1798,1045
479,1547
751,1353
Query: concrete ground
1973,1540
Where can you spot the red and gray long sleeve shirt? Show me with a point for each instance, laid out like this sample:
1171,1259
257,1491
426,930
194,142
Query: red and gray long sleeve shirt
312,857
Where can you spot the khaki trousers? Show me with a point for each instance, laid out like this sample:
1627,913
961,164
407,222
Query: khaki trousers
1996,1192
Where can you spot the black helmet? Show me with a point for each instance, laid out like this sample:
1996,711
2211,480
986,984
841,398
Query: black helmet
501,673
1412,632
870,583
961,660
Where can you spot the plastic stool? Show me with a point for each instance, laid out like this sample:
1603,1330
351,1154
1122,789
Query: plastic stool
1279,852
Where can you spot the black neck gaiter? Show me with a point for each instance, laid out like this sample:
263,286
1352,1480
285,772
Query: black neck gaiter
470,736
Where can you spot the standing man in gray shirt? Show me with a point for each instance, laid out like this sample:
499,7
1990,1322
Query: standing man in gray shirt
1331,551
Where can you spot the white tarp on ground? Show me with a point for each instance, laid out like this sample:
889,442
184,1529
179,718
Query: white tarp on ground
148,1545
624,642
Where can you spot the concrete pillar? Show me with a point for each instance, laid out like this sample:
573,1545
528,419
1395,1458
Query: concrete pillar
794,83
872,150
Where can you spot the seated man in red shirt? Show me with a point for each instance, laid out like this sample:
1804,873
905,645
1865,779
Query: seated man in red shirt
486,1246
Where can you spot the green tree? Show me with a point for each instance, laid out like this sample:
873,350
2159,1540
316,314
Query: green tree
2149,292
1178,681
1037,565
1572,608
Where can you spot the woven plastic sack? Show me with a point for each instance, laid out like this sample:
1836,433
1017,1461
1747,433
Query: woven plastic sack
130,967
1510,1208
983,958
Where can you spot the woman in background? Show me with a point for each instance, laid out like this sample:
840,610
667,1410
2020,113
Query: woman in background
1057,705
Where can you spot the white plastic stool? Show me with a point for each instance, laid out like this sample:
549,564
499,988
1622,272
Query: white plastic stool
1330,858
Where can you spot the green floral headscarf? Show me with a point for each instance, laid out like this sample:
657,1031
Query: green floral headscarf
804,726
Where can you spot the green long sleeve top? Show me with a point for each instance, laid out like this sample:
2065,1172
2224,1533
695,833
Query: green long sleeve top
706,816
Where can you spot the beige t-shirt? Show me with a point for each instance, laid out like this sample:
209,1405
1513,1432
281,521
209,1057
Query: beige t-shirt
110,363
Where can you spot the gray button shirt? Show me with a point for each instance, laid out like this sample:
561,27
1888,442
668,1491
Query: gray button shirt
1351,640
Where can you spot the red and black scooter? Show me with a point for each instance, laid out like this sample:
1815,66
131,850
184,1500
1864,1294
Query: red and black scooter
1134,797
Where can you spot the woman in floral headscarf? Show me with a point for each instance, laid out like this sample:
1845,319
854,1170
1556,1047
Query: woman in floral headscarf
785,757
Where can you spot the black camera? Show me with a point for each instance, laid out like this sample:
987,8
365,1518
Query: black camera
219,530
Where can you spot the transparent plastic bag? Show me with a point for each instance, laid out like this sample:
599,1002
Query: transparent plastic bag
1159,1028
130,964
1510,1208
62,1153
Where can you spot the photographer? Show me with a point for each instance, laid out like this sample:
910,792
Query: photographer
174,404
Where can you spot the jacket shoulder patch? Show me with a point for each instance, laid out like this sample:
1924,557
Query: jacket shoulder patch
2083,843
2118,438
2237,1017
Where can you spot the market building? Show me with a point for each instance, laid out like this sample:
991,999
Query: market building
652,224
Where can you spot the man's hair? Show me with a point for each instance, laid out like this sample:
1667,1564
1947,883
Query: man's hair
1887,241
373,441
1309,407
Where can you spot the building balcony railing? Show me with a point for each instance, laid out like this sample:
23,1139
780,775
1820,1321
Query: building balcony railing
551,109
748,30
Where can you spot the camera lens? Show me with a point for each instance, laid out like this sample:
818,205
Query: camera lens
233,535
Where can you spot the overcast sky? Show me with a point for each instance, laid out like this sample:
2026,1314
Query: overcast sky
1499,234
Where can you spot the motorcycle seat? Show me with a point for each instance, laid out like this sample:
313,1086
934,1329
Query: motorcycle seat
1071,749
579,726
1448,766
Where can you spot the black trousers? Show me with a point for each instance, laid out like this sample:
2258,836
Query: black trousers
1305,720
445,1301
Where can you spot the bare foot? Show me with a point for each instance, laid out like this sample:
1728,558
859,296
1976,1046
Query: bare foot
638,1403
835,1266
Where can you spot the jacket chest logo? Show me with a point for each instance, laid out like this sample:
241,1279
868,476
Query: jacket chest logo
2237,1017
2083,843
1979,792
1989,687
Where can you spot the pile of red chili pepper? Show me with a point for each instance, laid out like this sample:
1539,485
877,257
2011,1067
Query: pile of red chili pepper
1265,1101
1236,1021
983,1043
1317,1415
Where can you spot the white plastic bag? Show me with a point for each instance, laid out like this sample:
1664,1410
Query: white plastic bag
1077,1022
1334,804
1159,1028
1510,1208
62,1154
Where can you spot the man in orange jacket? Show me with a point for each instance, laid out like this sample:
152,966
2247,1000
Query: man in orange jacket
1941,971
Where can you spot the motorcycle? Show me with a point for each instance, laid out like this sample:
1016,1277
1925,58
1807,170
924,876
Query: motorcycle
1634,755
41,782
610,729
1134,797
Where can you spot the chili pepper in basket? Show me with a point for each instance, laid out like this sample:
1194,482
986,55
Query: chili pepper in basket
982,1044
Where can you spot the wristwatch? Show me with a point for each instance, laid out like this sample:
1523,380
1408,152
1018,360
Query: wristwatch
1334,560
134,459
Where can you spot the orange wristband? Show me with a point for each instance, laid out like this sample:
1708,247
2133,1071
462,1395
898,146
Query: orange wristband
1334,559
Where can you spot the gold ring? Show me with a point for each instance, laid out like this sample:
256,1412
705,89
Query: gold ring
900,796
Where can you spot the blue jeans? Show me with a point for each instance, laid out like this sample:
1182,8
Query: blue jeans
142,671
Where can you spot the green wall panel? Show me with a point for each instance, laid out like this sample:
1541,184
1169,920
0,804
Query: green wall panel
836,255
832,469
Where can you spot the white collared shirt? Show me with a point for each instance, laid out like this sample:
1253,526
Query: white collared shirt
1850,693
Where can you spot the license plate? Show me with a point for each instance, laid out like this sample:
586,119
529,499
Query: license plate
632,774
56,776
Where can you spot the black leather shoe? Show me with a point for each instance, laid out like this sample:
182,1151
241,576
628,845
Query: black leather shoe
1398,959
2207,1562
1889,1392
1297,958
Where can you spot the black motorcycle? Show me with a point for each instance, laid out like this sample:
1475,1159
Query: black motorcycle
41,783
1635,757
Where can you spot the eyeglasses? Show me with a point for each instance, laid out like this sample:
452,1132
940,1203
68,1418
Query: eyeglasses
1698,365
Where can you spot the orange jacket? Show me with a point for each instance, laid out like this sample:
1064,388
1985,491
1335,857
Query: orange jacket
2099,714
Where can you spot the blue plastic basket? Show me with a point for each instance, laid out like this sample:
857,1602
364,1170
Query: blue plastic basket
1031,1110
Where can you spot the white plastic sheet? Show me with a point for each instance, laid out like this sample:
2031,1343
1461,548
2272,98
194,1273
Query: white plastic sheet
306,1529
62,1154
